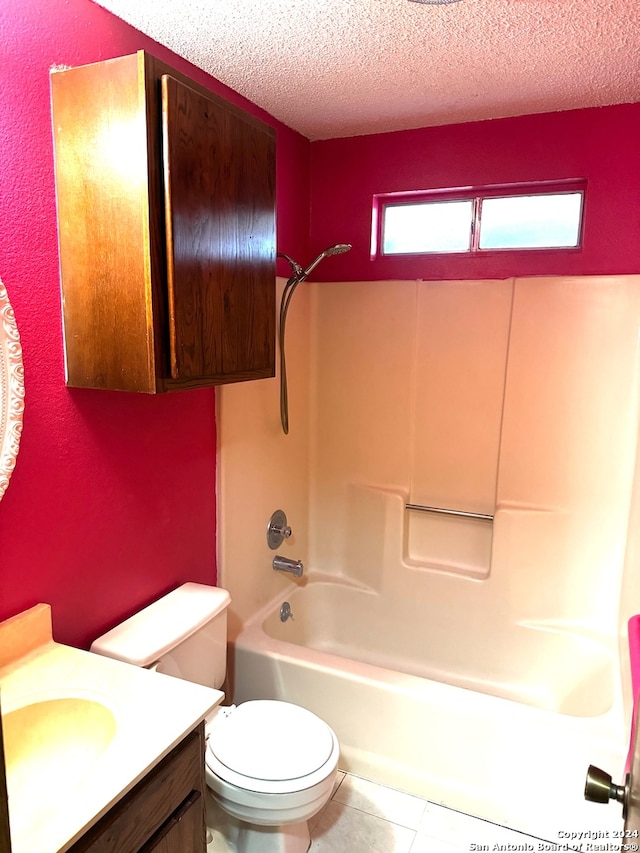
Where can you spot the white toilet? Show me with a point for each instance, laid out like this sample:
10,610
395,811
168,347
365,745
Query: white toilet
269,765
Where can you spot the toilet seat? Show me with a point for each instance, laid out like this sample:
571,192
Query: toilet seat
270,746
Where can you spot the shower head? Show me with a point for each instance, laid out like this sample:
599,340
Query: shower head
337,249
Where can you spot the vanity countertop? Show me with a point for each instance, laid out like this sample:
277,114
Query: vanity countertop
118,720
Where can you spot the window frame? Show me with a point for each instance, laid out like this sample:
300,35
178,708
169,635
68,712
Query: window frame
475,194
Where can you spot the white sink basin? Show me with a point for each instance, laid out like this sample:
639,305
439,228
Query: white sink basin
51,742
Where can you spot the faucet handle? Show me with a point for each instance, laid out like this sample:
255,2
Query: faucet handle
277,530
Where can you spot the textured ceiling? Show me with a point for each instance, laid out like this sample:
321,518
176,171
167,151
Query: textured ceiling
331,68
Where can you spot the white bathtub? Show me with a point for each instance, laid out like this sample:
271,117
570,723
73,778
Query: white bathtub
502,727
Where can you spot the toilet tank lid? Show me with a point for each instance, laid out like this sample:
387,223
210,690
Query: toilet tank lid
149,634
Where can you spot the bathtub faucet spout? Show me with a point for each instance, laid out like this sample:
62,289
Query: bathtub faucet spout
284,564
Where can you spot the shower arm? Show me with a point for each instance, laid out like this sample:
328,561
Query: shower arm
298,276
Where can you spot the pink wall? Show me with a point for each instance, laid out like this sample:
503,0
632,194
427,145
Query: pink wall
600,145
113,498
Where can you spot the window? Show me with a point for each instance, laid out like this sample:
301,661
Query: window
436,226
540,216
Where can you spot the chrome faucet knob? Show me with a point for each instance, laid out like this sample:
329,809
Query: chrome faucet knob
277,530
285,612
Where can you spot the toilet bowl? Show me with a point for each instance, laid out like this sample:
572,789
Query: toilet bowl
270,765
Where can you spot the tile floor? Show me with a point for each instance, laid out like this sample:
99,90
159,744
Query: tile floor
364,817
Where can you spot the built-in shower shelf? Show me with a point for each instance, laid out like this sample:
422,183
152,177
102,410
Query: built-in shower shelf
454,541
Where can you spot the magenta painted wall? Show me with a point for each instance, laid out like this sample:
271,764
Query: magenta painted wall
600,145
112,501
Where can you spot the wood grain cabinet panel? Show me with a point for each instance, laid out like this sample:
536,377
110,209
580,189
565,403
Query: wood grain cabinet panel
166,222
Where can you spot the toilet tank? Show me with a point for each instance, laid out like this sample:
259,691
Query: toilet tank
183,634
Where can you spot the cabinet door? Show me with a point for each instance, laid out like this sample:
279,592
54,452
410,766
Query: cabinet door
182,833
106,224
220,226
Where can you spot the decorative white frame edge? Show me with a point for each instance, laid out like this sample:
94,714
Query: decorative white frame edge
11,390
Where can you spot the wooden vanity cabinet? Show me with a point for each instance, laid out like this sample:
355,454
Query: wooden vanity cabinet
164,813
166,224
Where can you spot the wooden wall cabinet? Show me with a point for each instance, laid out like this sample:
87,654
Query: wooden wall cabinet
164,813
166,222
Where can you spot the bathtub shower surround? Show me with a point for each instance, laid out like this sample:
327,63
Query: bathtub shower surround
492,648
515,396
547,447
